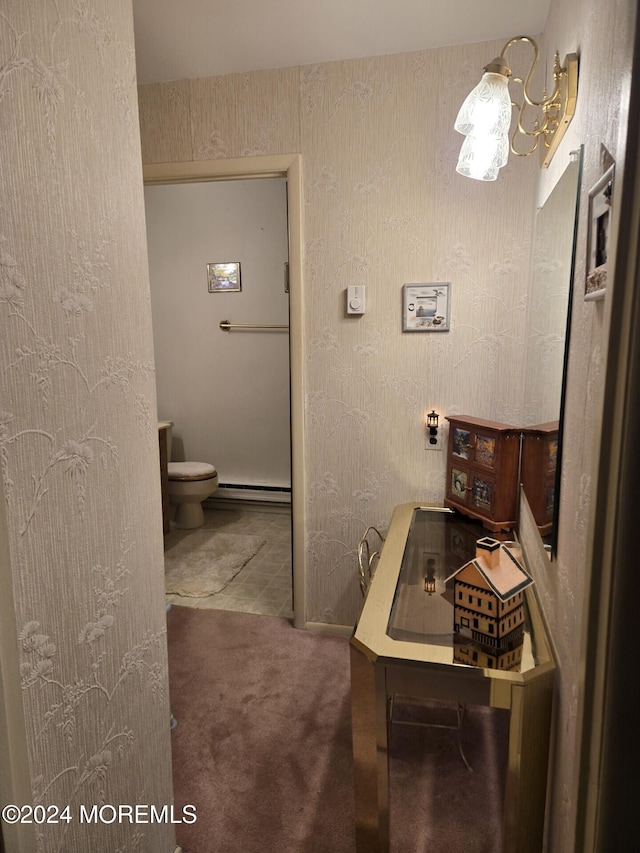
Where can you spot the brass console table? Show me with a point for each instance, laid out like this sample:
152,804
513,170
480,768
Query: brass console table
400,648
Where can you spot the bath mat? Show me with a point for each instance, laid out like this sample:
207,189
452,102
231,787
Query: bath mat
204,562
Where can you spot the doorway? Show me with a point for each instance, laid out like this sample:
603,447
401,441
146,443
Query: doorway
289,167
222,378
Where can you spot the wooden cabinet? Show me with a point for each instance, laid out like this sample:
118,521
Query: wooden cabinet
482,470
538,476
485,466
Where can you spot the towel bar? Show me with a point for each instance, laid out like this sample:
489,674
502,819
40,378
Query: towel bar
226,326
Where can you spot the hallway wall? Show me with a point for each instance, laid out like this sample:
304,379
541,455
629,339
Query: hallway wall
78,434
383,207
603,36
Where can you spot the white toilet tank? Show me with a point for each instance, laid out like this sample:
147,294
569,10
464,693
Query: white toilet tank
168,426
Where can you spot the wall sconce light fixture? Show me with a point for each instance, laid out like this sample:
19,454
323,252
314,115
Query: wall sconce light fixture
485,116
432,427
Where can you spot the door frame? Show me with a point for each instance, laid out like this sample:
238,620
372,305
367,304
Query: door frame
15,778
288,166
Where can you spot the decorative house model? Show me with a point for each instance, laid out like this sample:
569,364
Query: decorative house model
488,597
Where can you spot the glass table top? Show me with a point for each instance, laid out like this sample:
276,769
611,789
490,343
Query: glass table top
440,600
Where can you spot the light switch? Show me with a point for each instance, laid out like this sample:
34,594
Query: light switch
355,299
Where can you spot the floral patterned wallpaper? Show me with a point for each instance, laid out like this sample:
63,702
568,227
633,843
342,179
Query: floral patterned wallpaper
603,39
383,207
78,434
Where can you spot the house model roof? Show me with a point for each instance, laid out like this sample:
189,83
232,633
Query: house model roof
495,566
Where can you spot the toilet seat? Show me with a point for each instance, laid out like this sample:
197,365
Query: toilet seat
190,471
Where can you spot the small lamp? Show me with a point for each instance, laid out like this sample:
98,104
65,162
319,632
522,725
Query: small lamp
430,581
432,426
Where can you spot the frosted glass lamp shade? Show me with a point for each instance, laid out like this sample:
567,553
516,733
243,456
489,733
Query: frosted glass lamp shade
482,157
487,108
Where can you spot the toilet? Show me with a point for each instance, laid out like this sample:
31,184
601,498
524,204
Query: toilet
190,483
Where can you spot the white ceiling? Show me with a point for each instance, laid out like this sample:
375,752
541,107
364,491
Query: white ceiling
179,39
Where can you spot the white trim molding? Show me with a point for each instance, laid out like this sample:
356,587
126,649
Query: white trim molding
288,166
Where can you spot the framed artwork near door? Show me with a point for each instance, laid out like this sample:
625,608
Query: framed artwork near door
224,277
425,307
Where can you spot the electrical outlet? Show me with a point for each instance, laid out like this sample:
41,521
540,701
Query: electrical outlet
433,442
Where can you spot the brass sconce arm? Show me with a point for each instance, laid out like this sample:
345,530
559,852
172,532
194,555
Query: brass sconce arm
487,144
556,108
558,71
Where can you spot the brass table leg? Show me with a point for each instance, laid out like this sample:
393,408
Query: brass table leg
525,794
370,759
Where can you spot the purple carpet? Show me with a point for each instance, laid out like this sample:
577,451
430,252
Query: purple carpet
263,748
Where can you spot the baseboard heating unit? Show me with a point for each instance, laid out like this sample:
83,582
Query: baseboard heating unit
261,494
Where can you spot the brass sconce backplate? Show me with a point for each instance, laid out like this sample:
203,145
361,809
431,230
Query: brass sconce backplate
565,103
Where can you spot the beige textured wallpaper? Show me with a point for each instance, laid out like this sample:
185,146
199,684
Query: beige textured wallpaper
383,207
602,34
78,435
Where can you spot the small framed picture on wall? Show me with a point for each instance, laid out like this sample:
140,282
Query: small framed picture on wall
426,307
599,225
224,277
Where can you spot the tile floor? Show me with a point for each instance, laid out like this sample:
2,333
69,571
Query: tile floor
263,585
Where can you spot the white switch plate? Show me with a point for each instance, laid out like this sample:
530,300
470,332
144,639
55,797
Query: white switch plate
356,298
